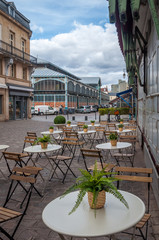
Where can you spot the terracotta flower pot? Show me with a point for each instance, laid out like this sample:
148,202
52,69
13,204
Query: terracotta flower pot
113,142
120,129
51,130
85,129
100,200
44,145
92,124
68,124
121,122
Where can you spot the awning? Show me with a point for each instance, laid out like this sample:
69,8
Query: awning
123,95
122,8
3,85
19,88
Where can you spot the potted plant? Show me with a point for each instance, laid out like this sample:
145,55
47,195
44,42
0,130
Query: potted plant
120,126
121,121
68,123
51,129
96,185
43,141
113,139
92,122
85,128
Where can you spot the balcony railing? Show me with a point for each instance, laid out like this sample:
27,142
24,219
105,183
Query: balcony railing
9,49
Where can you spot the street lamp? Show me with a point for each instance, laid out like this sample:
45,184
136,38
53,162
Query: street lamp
124,75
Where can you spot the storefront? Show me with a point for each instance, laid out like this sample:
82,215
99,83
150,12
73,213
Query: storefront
19,102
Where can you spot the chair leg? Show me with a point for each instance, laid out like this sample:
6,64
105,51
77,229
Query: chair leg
6,234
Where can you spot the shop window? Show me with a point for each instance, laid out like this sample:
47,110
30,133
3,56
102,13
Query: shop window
0,104
13,70
25,73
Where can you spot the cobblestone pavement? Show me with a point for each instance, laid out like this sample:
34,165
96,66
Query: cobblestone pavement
12,133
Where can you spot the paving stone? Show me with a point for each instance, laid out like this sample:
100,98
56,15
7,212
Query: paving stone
32,227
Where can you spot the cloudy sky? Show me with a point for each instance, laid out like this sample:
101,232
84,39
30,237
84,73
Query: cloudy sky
76,36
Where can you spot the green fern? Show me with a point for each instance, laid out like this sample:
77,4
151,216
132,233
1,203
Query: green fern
95,183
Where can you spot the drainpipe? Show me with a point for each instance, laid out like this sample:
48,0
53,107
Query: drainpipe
154,15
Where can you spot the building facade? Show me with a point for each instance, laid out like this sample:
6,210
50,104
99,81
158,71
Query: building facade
138,34
16,63
54,86
120,87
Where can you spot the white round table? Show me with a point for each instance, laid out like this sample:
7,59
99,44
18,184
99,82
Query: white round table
111,219
88,132
95,125
3,147
124,131
36,149
125,123
51,133
108,146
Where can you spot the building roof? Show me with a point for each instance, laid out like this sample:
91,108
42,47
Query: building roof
46,64
46,72
91,80
10,9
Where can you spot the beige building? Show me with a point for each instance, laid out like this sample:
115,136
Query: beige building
16,64
120,87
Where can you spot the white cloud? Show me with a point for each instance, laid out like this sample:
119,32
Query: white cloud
88,50
36,28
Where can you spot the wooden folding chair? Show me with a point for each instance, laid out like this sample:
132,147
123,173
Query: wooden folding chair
103,123
99,137
20,176
80,125
88,154
31,134
111,126
63,162
17,158
139,175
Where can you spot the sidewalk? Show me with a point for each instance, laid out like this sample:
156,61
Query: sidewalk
12,133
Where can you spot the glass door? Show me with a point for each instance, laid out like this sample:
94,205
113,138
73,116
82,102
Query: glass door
18,109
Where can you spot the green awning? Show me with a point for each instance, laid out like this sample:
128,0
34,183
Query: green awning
121,6
135,5
112,11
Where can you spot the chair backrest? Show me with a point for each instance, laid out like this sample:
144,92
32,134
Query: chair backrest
91,153
19,176
135,174
29,140
111,126
67,129
12,156
31,134
103,123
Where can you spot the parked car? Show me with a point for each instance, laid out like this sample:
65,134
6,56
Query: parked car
84,109
94,108
32,110
44,109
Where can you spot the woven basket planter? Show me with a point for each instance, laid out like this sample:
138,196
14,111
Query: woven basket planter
100,200
120,129
44,145
113,142
85,129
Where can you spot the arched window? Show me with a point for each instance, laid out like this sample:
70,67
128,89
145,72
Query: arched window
77,88
70,86
87,92
83,90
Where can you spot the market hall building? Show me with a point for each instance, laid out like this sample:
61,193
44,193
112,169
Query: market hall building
54,86
16,63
